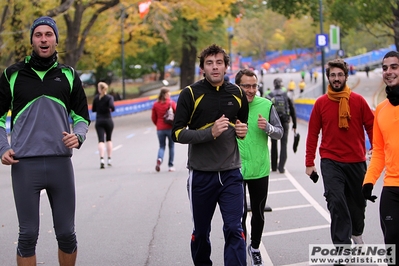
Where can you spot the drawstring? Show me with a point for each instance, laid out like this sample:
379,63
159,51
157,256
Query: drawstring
220,179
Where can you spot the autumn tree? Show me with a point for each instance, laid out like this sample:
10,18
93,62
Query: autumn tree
357,14
78,17
196,30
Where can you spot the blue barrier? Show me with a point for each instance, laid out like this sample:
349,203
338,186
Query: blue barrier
125,107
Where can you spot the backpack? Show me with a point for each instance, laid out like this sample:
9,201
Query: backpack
169,116
280,103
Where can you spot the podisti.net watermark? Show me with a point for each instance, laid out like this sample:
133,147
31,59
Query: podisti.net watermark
364,254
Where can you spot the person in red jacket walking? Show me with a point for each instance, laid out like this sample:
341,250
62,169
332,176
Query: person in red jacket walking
164,130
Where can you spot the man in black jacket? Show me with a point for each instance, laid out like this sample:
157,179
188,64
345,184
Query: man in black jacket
42,95
210,115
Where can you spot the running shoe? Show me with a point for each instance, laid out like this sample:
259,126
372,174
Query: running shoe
255,257
158,166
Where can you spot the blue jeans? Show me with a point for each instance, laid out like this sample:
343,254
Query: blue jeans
162,135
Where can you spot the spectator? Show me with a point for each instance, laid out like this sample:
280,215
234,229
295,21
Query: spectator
42,97
210,115
367,69
164,130
342,116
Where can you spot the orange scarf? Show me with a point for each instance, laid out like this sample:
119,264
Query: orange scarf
343,98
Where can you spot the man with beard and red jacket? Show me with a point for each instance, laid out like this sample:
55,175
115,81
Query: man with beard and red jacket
342,116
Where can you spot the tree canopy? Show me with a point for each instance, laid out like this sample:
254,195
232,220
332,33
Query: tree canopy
91,31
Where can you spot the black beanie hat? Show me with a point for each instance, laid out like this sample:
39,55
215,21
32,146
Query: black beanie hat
44,21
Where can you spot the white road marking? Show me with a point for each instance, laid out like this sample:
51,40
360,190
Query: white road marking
313,203
296,230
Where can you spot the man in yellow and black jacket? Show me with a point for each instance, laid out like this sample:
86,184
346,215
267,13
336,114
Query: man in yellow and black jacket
210,115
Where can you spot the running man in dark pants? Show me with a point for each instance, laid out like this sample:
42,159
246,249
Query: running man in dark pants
342,116
210,115
42,95
386,153
263,122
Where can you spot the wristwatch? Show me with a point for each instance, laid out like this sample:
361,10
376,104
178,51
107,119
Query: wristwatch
80,140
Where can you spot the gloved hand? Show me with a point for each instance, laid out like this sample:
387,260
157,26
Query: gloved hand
314,176
367,189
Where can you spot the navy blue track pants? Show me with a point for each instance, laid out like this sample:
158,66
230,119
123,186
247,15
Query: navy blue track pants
206,189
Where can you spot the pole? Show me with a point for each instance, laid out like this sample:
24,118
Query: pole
230,37
123,52
322,48
230,54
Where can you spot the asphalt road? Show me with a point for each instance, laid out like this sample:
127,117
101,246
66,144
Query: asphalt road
129,214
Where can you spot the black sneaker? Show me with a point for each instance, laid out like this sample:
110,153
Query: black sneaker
102,166
255,257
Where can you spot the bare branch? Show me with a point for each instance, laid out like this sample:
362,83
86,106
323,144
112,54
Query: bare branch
66,4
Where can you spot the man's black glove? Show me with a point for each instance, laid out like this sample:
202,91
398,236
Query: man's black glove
314,176
367,189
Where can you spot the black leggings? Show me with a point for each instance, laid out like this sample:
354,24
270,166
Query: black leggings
55,175
389,215
257,189
104,127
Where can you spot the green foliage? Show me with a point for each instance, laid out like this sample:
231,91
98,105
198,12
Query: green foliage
296,8
355,14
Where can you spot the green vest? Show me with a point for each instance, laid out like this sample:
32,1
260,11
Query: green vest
254,148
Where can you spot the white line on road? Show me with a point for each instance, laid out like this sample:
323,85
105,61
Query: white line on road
278,179
310,199
293,207
130,136
296,230
117,147
283,191
307,196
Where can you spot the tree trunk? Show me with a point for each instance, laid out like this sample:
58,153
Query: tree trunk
189,54
77,33
396,32
18,36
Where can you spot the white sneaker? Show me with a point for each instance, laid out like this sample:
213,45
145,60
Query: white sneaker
172,169
358,240
255,257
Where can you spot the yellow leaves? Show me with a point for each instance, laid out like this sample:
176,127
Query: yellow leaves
203,11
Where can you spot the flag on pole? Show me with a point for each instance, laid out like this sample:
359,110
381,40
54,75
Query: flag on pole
144,8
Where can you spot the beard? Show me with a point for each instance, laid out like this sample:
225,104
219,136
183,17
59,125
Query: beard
337,85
